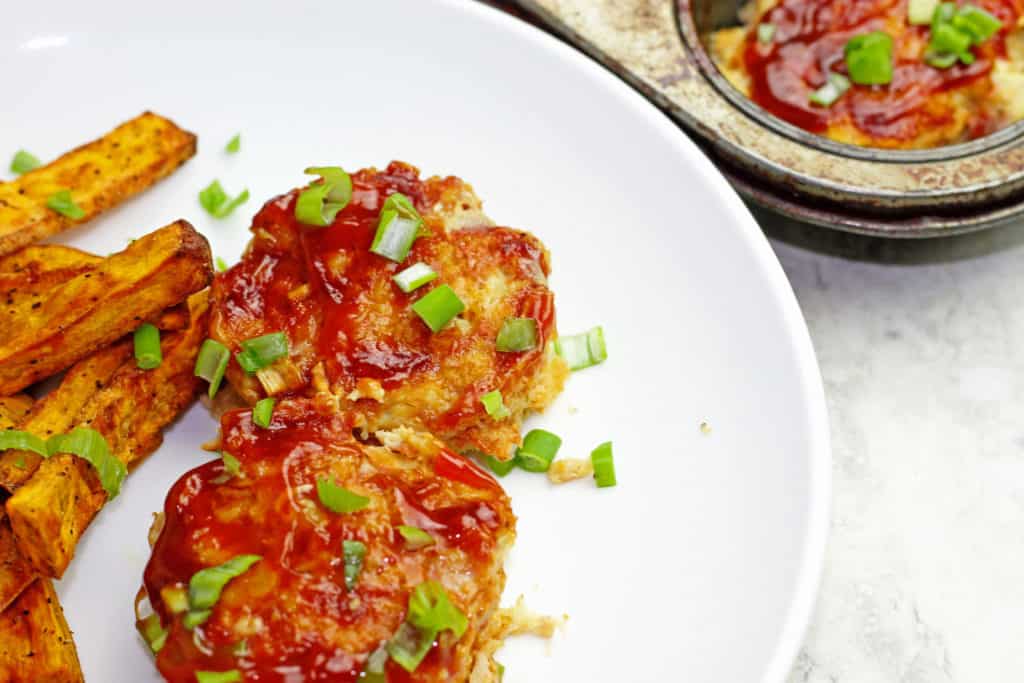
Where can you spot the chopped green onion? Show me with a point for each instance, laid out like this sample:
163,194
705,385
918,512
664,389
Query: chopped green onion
90,445
14,439
232,676
920,12
206,585
23,162
410,645
944,13
175,599
604,465
62,203
397,228
263,411
946,39
583,350
415,538
153,632
211,363
977,23
353,553
339,499
869,58
414,277
538,450
494,405
765,33
234,144
231,464
517,334
501,671
430,612
222,265
147,347
373,672
195,617
834,87
431,609
438,306
259,352
499,467
940,61
215,200
321,202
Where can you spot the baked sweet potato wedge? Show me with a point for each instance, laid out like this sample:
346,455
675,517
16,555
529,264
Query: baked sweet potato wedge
45,258
58,411
51,511
35,641
15,573
99,175
13,410
95,308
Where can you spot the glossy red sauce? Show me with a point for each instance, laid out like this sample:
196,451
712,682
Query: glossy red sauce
808,43
304,558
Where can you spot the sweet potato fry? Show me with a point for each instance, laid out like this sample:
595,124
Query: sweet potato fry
100,306
56,412
13,410
52,509
15,573
45,258
35,641
99,175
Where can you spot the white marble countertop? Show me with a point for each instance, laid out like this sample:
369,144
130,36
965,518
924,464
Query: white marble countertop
921,346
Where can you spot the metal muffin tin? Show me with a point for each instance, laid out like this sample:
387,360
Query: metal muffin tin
656,45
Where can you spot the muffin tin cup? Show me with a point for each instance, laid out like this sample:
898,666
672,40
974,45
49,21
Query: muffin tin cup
656,46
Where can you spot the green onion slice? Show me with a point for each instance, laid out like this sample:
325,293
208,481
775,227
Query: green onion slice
23,162
222,265
438,306
583,350
231,464
869,58
337,498
233,676
397,228
499,467
216,201
320,203
835,86
538,450
263,411
765,33
211,363
353,553
147,347
14,439
234,144
517,334
920,12
604,465
195,617
431,609
153,632
415,538
494,405
90,445
62,203
259,352
410,645
206,585
976,22
373,672
414,277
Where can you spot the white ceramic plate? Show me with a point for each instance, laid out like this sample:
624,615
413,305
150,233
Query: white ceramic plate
703,564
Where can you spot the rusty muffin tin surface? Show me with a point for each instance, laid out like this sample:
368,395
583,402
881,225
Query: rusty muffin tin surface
656,46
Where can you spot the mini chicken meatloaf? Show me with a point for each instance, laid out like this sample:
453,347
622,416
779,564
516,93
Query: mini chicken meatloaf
306,555
353,334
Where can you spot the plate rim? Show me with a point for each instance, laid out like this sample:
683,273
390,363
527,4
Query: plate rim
811,568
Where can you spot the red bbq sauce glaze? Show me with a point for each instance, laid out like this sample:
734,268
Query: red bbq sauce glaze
359,323
808,43
292,608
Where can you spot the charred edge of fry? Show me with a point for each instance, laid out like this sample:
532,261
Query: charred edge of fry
35,642
56,412
97,308
51,511
103,173
15,572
